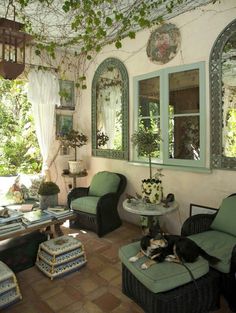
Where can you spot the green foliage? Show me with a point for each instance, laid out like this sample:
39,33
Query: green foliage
48,188
102,138
93,23
19,150
73,139
147,142
230,146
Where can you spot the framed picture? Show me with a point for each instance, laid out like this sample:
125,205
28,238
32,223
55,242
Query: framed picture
64,124
67,94
200,209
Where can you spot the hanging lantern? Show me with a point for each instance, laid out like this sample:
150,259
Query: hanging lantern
12,48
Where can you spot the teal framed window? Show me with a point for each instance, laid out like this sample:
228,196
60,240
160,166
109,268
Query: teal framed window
172,101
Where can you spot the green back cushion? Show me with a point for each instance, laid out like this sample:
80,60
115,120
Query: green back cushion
163,276
103,183
85,204
219,244
225,219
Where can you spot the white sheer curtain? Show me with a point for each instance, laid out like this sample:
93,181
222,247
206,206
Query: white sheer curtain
43,93
109,103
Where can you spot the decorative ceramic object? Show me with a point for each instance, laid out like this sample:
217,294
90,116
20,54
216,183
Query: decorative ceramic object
48,194
60,256
152,191
76,167
48,201
163,44
9,288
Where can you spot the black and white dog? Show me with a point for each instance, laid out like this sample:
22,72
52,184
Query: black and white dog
172,248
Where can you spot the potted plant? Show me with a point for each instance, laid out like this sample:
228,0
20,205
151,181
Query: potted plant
74,139
48,194
147,142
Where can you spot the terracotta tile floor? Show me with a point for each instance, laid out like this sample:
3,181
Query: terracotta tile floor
95,288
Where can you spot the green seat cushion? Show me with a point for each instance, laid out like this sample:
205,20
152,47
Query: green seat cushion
218,244
103,183
85,204
163,276
225,219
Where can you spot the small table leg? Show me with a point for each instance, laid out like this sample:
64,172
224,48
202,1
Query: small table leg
148,222
58,231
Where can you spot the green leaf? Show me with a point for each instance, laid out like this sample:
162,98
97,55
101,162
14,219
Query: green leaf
131,35
118,44
37,52
108,21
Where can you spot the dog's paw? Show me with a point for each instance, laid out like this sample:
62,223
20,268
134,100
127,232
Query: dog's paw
133,259
144,266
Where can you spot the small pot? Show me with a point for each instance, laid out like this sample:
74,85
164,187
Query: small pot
75,167
48,201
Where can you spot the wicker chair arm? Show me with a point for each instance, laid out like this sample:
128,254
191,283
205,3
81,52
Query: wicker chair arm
107,214
233,261
197,223
107,202
76,193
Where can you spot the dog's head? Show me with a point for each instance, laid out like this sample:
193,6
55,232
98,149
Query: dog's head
158,241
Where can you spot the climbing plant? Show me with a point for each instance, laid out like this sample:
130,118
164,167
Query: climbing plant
84,27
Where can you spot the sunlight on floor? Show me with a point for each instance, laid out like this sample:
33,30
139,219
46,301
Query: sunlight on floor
67,225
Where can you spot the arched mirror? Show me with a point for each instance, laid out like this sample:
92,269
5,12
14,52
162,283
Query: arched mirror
110,96
223,99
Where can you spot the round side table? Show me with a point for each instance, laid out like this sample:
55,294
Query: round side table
149,210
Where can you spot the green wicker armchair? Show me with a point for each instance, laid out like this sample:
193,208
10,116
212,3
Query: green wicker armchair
218,232
96,205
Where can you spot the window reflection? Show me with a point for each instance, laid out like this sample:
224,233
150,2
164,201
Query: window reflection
184,135
229,98
149,106
109,109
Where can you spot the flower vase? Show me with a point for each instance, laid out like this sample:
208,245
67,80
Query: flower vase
152,191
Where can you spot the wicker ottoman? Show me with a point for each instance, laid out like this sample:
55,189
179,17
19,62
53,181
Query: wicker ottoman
168,287
60,256
9,289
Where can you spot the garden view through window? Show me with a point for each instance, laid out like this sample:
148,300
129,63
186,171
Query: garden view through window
19,149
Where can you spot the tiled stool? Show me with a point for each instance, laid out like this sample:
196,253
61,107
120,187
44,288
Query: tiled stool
9,289
60,256
168,287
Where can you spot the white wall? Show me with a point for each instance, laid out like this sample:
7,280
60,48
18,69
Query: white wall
199,30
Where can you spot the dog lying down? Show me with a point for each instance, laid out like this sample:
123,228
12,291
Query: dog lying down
172,248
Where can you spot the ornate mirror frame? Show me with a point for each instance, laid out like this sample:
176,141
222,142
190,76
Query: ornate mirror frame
218,160
112,153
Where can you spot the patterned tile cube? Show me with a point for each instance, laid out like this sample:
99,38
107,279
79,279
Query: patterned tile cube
9,289
60,256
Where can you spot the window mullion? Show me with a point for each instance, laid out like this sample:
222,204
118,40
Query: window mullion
164,95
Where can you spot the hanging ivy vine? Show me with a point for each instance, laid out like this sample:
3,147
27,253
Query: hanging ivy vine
84,27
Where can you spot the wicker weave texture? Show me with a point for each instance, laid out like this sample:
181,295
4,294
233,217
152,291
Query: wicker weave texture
189,298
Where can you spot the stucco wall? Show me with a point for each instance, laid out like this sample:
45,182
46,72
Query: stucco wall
199,30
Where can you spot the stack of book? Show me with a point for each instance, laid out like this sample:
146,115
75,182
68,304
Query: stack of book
11,222
59,211
10,228
36,217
